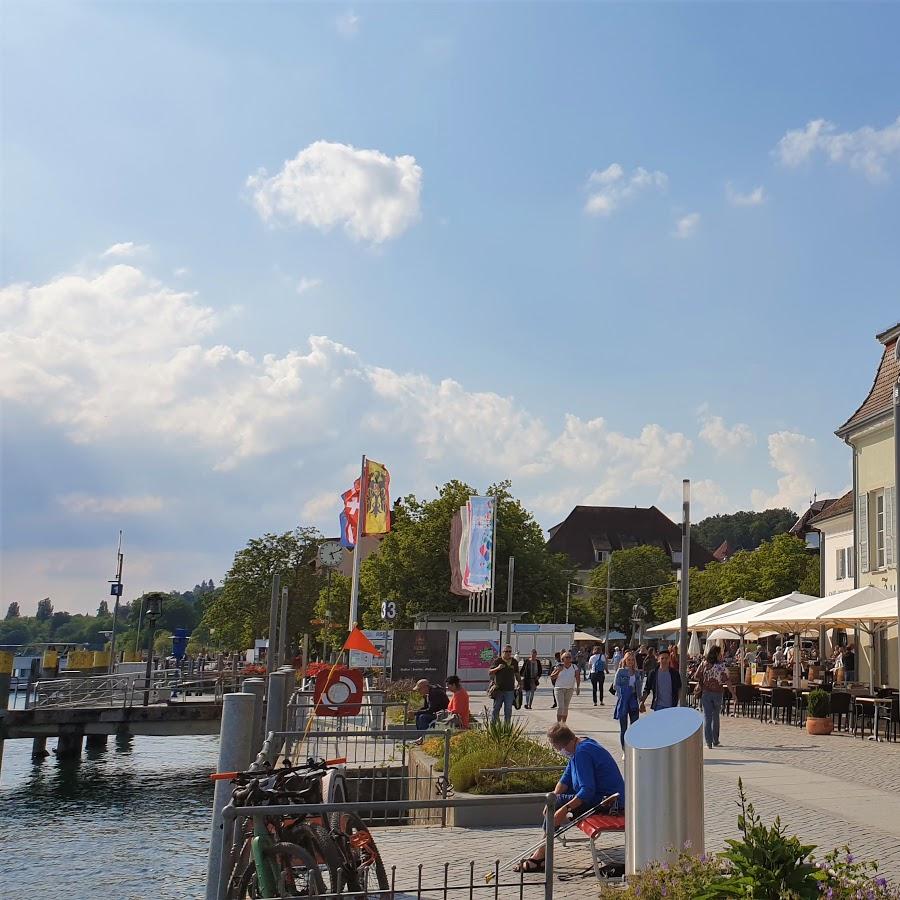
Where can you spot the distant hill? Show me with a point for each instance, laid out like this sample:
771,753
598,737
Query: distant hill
743,530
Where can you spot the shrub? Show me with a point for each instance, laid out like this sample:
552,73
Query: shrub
819,704
683,877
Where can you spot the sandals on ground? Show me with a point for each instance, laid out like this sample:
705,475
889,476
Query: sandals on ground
529,864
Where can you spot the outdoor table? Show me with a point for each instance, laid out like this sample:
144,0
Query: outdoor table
877,703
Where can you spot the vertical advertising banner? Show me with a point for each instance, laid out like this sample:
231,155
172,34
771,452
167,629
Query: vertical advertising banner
480,549
420,654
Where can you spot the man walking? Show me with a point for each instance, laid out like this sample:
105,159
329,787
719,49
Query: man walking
531,671
664,683
504,673
597,669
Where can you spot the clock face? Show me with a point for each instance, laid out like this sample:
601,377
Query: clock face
330,554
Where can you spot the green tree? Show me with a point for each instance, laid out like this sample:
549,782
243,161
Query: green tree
744,530
13,611
634,576
239,610
162,642
103,609
44,609
412,566
777,567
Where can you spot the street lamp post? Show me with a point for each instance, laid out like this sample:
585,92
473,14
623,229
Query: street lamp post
569,584
897,496
325,633
685,585
151,611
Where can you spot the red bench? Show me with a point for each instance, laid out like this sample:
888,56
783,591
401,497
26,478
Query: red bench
592,827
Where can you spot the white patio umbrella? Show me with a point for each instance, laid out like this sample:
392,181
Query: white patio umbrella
744,621
868,608
694,646
695,619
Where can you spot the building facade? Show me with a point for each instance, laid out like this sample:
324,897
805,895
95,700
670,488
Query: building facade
835,527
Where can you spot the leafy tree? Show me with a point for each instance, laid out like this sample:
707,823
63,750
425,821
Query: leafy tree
103,609
240,609
412,566
777,567
44,609
635,575
13,611
743,530
162,643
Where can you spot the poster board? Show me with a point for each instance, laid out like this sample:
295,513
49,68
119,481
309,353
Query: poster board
418,653
474,652
382,640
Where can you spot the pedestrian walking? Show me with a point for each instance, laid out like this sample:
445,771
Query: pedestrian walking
556,661
505,677
597,669
664,683
617,659
566,678
531,671
628,685
712,680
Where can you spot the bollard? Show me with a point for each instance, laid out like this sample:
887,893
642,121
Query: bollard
256,687
6,667
234,756
663,773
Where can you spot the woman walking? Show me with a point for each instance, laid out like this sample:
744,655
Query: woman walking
712,680
628,685
566,679
597,668
531,671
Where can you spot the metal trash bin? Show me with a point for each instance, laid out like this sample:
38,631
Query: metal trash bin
663,786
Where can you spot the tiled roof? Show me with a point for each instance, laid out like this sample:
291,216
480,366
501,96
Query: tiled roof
838,508
723,551
591,528
880,396
800,527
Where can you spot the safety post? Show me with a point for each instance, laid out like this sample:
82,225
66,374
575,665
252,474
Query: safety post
235,735
6,667
257,688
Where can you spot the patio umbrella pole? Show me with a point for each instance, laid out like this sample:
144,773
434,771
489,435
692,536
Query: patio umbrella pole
797,652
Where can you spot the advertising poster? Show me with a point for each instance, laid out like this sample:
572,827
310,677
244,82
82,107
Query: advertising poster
420,654
361,660
480,550
476,654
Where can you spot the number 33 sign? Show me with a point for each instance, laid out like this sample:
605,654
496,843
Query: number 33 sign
388,610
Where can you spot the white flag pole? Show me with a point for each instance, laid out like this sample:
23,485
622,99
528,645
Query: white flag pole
357,549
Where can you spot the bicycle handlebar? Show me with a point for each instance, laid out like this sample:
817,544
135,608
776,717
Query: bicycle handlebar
320,765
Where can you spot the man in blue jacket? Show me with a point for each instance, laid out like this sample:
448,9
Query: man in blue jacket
664,683
590,777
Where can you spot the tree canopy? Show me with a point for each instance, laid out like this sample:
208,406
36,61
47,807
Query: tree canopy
777,567
743,530
13,611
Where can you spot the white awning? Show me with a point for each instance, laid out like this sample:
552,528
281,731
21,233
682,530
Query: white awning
695,619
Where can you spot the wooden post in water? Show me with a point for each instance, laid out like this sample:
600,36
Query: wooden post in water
6,667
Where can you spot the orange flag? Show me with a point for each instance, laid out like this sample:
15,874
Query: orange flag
358,641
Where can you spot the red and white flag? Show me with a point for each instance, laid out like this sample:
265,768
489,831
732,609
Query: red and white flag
350,516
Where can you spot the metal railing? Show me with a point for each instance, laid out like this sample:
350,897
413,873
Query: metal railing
376,713
128,689
409,880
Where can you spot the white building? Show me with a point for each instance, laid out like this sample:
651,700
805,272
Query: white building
835,526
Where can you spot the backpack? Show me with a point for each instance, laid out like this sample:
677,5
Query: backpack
599,664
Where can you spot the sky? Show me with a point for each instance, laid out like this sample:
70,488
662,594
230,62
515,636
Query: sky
592,248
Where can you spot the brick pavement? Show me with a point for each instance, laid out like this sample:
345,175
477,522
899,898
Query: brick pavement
828,790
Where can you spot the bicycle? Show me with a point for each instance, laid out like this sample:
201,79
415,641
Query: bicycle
285,856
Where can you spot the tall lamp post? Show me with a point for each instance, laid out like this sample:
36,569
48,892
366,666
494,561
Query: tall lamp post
685,585
578,586
897,492
152,609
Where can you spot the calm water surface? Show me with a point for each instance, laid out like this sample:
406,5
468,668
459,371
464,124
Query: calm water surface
130,821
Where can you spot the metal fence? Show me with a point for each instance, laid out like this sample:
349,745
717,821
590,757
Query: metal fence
376,713
409,880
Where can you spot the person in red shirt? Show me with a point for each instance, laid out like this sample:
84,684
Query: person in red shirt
459,700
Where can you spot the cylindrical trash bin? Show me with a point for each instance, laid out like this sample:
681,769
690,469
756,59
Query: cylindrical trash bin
663,786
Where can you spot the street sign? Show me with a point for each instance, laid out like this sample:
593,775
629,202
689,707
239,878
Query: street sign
388,610
115,589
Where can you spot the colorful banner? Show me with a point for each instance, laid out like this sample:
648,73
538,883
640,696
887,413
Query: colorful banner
480,547
378,499
350,516
476,654
456,571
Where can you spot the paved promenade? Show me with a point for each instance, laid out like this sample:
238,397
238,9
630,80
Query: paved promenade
829,790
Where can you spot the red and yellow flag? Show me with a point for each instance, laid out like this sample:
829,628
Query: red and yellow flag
378,499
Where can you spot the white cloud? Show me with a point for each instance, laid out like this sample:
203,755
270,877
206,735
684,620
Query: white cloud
609,189
124,250
795,456
86,504
686,226
347,24
323,506
724,439
756,197
308,284
867,149
374,197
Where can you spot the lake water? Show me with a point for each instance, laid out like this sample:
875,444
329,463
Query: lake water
130,821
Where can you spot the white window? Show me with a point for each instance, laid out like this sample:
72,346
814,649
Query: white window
840,564
849,552
602,555
879,531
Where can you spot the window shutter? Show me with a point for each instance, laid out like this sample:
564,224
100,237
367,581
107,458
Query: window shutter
890,501
839,564
862,534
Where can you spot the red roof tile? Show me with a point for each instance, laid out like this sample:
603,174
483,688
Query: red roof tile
880,396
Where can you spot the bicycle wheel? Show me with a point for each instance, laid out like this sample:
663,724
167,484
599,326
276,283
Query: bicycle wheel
318,841
297,875
366,860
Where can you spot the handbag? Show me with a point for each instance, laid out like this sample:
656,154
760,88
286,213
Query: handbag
517,698
492,691
612,689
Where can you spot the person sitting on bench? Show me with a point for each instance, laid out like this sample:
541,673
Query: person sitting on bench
590,776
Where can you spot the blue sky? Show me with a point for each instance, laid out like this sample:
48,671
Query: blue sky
593,248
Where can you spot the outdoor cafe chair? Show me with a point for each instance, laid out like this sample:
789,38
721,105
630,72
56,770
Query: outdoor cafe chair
783,700
863,715
840,710
891,722
747,698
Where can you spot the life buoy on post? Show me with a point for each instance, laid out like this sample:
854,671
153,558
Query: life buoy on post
338,692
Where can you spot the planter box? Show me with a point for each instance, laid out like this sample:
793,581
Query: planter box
819,726
422,771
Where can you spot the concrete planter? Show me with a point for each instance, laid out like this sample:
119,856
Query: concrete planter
422,766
